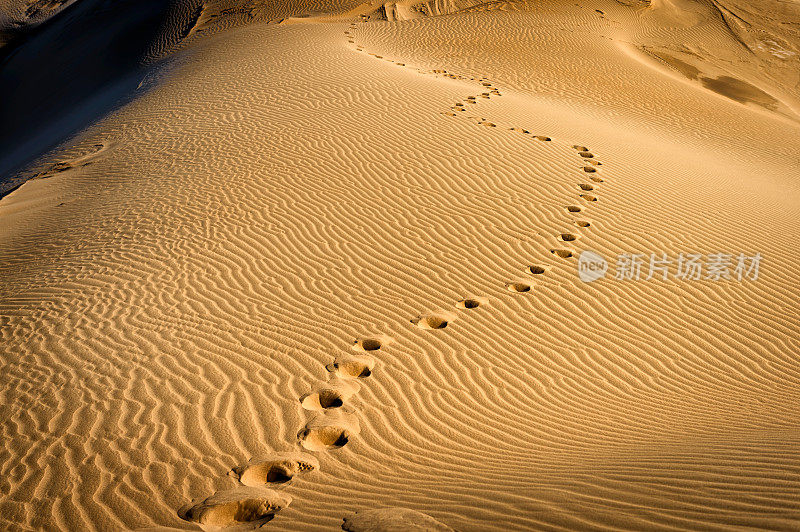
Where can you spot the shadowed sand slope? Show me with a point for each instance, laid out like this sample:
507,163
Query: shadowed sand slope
67,63
339,260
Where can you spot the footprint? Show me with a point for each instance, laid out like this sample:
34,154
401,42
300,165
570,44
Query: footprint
567,237
563,253
585,186
90,153
586,154
589,197
274,469
328,431
589,169
542,138
370,343
352,366
398,519
596,179
332,394
438,320
582,223
573,208
518,286
536,270
472,302
580,148
241,505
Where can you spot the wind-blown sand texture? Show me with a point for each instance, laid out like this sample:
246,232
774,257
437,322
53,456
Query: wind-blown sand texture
350,232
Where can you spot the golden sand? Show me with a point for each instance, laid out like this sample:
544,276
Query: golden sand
330,252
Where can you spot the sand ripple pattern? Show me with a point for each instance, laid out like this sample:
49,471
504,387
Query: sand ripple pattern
164,310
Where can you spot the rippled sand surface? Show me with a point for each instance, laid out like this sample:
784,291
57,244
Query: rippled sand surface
321,269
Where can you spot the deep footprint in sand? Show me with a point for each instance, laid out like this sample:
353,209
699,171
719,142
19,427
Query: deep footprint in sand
518,287
573,208
567,237
586,154
583,223
585,186
433,320
328,431
471,302
596,179
579,147
392,520
242,506
536,270
352,366
588,197
331,394
589,169
370,343
543,138
276,468
563,253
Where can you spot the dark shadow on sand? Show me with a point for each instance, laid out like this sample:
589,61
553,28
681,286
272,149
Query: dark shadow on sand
70,71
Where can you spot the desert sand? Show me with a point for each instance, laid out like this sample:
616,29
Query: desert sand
314,265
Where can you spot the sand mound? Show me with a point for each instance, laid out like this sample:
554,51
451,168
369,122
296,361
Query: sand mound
392,520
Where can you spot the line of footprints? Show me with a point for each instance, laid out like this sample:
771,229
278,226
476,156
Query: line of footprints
334,423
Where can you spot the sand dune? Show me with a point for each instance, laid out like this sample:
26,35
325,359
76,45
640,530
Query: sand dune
323,272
